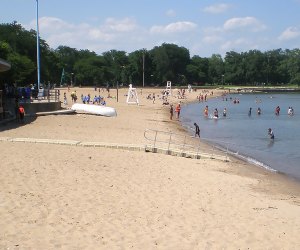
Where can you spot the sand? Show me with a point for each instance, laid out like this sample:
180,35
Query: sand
70,197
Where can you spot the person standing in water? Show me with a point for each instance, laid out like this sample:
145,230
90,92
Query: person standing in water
216,113
277,110
224,112
271,134
206,111
250,111
197,130
258,111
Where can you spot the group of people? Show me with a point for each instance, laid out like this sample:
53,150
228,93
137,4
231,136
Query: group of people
202,98
277,111
215,113
258,111
85,99
177,111
96,100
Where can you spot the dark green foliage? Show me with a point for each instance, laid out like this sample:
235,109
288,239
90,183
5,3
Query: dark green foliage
167,62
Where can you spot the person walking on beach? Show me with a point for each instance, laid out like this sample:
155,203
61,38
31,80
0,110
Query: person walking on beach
271,134
171,112
65,99
197,130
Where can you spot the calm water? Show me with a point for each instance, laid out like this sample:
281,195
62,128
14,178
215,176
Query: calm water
247,135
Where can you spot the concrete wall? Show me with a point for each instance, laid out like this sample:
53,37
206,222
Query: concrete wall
35,107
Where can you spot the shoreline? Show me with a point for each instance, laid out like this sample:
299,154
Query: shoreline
290,183
69,197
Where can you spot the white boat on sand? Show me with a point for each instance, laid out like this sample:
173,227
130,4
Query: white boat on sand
94,109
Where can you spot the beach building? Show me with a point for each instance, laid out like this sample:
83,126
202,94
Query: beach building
4,66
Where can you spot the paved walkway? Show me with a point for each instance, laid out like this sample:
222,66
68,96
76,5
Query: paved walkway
130,147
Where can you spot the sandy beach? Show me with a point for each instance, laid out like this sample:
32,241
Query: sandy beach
70,197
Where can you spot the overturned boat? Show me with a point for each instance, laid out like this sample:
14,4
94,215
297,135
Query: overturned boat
94,109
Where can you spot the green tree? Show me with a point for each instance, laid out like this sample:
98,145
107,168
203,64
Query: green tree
170,61
197,70
21,67
216,69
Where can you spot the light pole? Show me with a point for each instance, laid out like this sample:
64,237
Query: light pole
38,45
72,74
143,68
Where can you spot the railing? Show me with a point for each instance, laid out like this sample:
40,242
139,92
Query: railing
184,145
52,95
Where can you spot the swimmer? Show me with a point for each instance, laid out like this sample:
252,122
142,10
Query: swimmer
224,112
258,111
206,111
250,111
277,110
216,113
271,134
290,111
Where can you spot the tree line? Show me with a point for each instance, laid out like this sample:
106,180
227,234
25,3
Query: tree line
167,62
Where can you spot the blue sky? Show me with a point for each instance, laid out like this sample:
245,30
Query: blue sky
204,27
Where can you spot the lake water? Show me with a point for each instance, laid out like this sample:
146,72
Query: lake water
247,136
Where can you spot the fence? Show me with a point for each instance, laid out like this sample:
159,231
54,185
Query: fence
182,145
27,95
52,95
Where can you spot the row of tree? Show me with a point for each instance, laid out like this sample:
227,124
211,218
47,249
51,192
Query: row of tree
167,62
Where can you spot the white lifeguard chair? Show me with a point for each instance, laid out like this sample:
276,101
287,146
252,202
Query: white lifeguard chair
168,90
132,97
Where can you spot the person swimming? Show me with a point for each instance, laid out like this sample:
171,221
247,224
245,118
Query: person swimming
271,134
216,113
258,111
290,111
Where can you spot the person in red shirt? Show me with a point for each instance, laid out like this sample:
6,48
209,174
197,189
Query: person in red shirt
21,113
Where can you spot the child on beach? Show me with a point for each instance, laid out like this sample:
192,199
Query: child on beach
21,113
65,99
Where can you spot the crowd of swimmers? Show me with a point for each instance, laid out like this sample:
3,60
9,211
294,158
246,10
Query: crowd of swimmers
258,111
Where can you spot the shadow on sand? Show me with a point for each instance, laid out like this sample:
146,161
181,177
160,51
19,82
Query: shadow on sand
13,124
